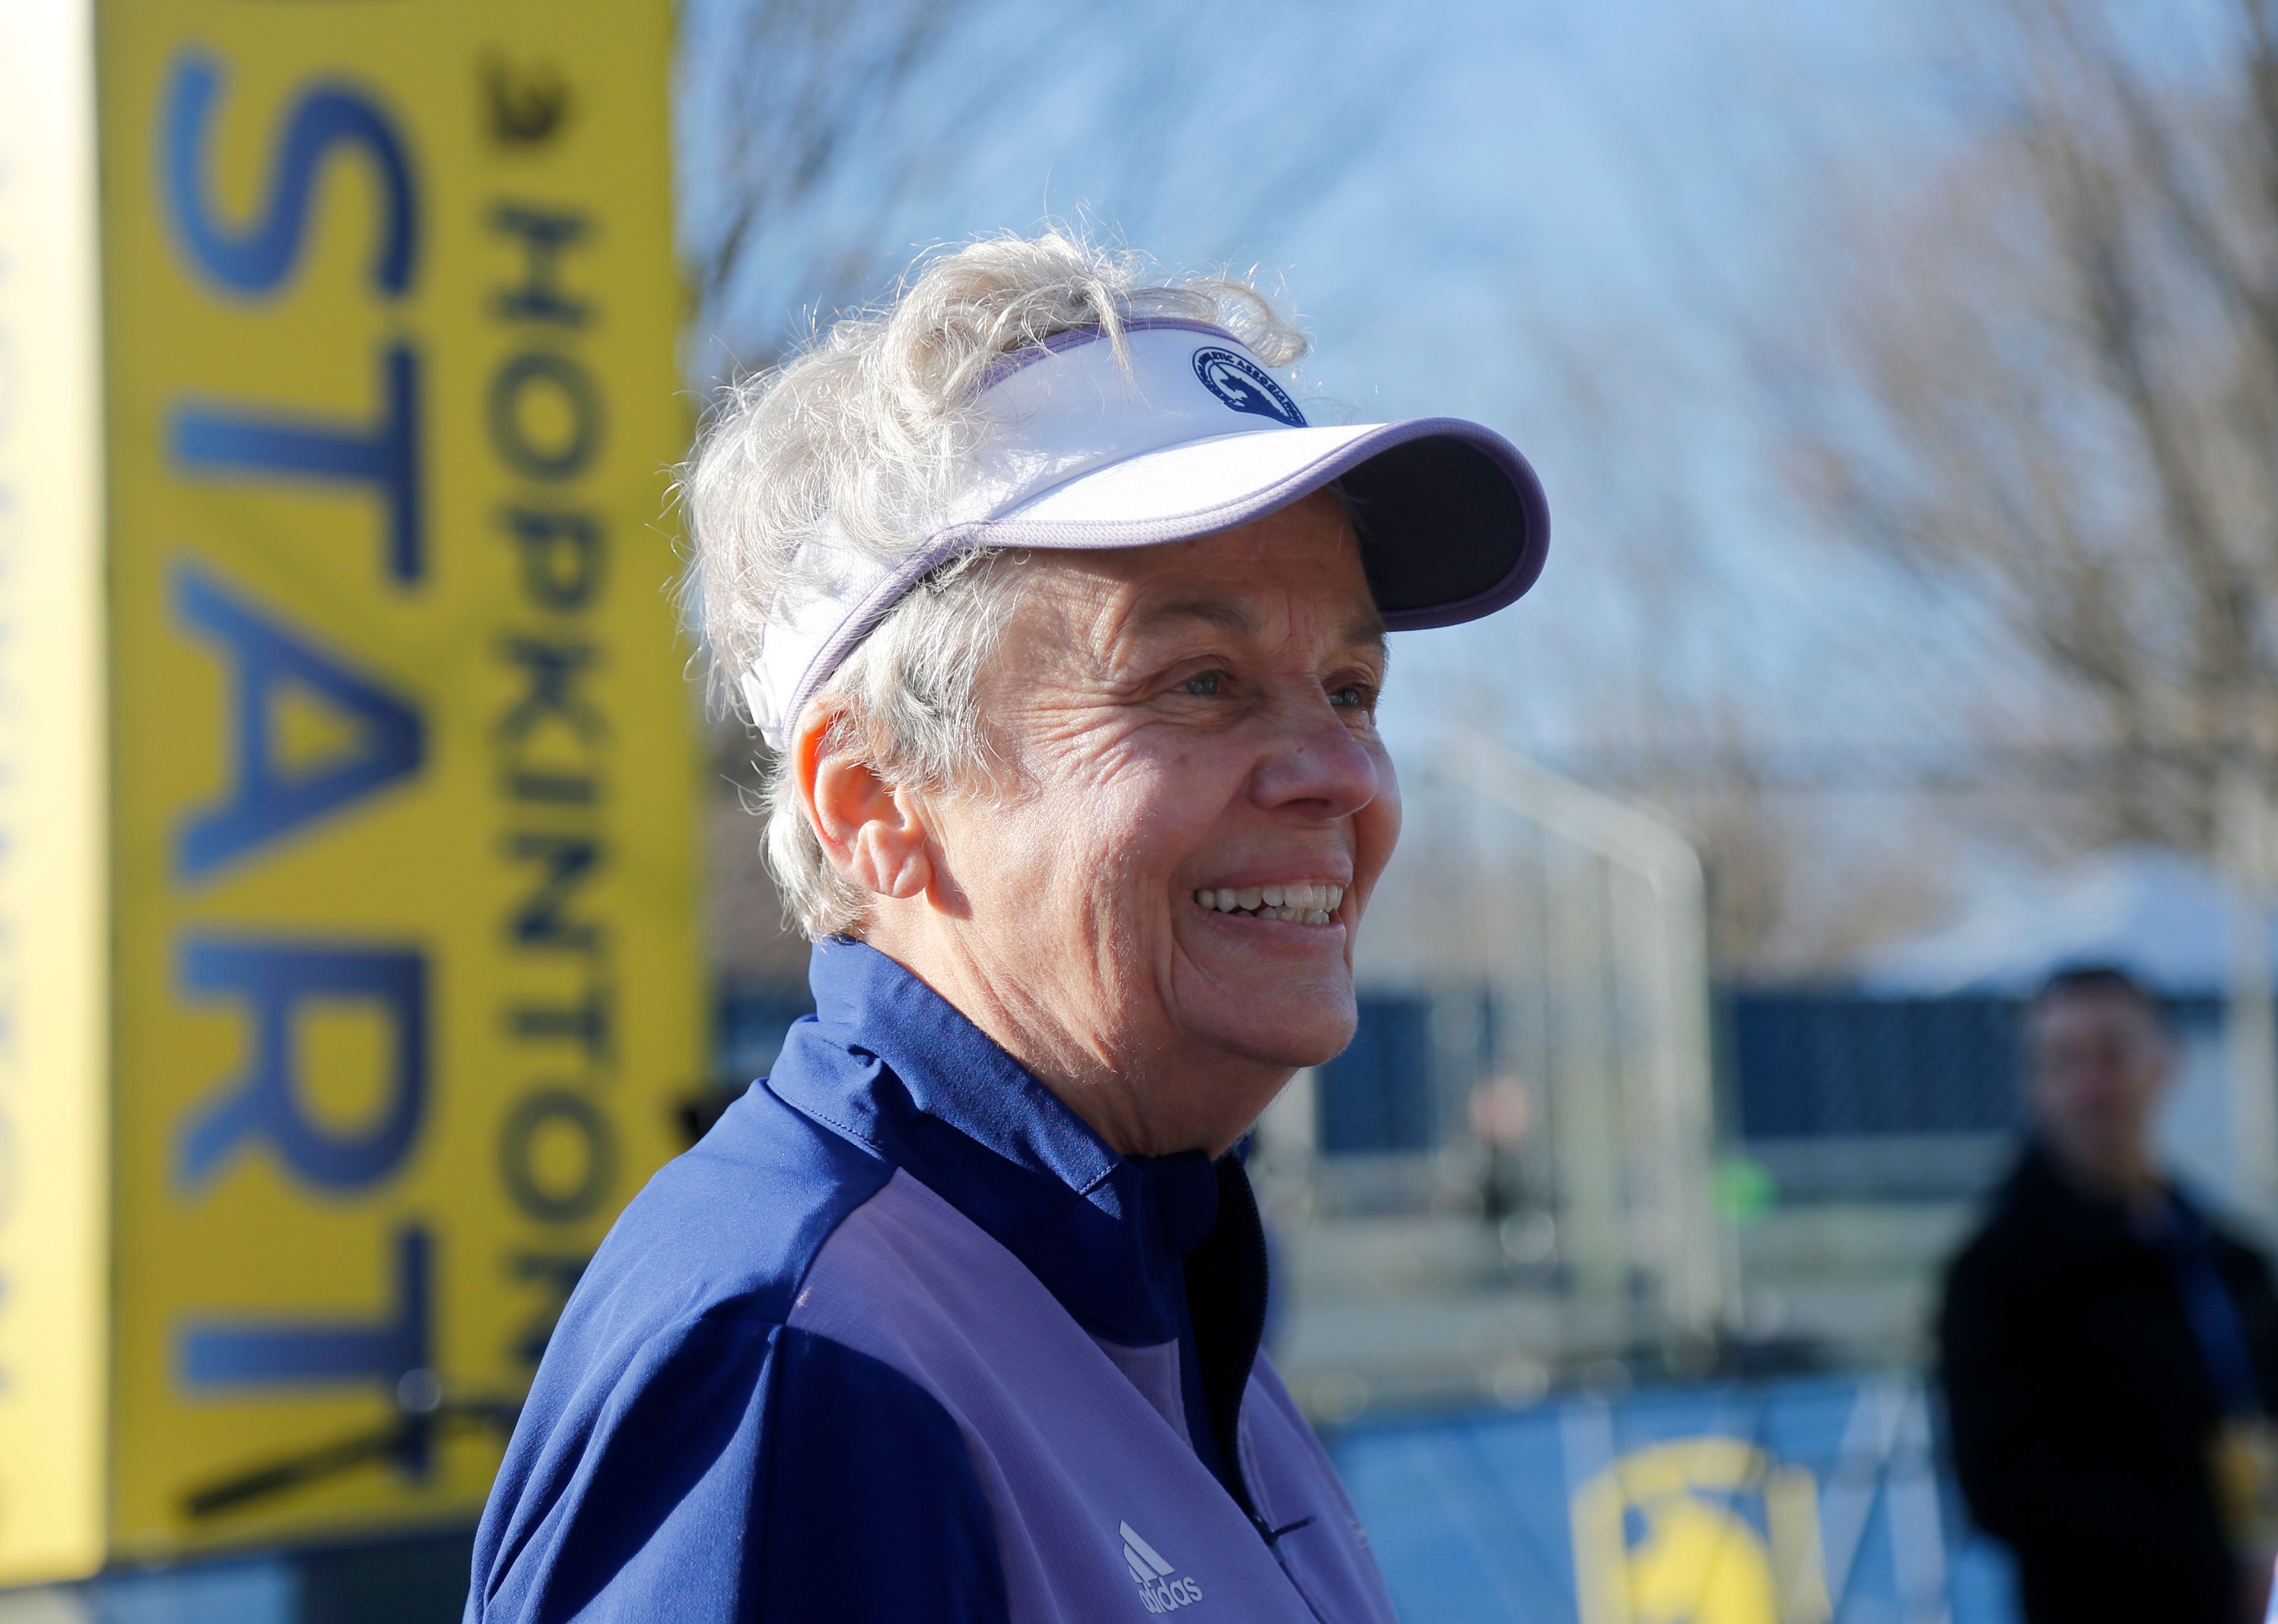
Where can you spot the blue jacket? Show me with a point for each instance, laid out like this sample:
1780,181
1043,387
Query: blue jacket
902,1339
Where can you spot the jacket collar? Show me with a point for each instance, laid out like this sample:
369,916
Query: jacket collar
887,1061
2040,1196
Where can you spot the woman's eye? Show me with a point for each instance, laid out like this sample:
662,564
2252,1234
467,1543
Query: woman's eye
1208,685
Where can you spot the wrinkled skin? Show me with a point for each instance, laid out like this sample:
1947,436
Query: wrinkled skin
1171,719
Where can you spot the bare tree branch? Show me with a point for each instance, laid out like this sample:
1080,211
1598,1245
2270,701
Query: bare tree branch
2047,376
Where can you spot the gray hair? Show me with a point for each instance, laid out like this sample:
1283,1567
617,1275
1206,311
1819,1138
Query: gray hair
863,429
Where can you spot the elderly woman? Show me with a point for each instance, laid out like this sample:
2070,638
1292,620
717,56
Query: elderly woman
1065,632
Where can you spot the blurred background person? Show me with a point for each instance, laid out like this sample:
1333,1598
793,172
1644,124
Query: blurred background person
2108,1349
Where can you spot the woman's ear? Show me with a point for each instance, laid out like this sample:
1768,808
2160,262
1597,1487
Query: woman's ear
873,832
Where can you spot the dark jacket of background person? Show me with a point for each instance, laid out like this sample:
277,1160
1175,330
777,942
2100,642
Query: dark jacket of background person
2081,1409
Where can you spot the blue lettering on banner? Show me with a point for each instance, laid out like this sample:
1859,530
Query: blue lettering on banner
540,373
256,259
562,555
549,1200
277,984
277,981
215,441
546,233
224,1354
542,920
265,799
547,419
557,1274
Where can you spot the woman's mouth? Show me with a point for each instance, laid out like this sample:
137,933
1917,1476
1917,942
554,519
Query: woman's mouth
1306,903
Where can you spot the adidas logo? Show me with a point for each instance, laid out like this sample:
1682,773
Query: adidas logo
1158,1591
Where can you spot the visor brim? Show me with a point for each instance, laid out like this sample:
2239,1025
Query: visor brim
1452,520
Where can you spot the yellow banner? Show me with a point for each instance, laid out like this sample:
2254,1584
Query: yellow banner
401,749
53,1195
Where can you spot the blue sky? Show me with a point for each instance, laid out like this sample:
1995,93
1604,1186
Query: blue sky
1552,218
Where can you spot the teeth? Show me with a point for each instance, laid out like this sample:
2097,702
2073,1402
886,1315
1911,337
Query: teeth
1293,904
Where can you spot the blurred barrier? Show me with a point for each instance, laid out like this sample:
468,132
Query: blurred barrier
402,973
1824,1065
1809,1501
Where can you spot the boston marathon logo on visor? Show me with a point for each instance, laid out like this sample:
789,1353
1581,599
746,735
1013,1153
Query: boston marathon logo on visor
1245,386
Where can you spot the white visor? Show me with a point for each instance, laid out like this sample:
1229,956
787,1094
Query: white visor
1193,436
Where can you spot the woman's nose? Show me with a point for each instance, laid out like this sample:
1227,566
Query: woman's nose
1313,763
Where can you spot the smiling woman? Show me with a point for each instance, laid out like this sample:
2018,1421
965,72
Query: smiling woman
1066,631
1170,720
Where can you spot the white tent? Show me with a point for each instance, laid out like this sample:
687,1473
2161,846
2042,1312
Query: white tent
2158,914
